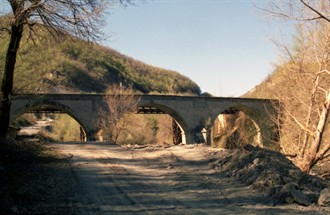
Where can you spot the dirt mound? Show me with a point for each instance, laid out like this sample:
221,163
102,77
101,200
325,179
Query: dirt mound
272,173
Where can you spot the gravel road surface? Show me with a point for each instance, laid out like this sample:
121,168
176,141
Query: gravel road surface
161,180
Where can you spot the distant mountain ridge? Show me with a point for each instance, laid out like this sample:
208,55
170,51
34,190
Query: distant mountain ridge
76,66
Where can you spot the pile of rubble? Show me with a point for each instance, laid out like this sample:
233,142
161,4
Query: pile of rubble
273,174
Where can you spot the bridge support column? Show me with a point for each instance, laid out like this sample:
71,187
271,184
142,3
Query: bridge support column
206,133
190,137
91,136
183,138
203,136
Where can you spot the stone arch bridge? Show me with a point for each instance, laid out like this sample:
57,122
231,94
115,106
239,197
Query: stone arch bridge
194,114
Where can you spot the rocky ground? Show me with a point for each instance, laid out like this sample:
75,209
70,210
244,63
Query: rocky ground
102,178
272,174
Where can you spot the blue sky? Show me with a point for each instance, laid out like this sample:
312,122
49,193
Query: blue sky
222,45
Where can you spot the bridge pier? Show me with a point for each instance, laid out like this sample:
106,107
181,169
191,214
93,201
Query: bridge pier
91,136
189,137
195,136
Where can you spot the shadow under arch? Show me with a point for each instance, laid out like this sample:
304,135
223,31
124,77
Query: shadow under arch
167,110
251,114
52,107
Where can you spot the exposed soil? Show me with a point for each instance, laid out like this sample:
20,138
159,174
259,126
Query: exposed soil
103,178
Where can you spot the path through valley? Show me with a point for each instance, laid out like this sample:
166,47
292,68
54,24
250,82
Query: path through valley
160,180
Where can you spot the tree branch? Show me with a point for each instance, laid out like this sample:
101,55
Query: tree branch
324,71
311,133
321,16
321,155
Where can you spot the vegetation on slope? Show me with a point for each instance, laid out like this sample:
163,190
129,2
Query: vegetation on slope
75,66
234,130
301,83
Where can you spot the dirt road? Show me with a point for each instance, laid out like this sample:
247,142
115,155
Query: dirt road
161,180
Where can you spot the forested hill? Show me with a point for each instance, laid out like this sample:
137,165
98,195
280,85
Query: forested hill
75,66
275,83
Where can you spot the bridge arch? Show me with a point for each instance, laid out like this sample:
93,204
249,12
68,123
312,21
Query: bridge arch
51,107
168,110
257,117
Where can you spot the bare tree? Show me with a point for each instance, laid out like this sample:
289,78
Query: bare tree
81,18
306,92
119,101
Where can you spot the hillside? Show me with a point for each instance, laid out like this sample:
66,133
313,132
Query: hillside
75,66
271,86
302,86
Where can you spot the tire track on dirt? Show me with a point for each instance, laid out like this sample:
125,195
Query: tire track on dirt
155,180
112,189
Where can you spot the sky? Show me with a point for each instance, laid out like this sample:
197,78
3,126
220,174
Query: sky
222,45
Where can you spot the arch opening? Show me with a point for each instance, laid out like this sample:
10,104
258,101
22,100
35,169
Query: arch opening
235,127
151,124
48,122
178,125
